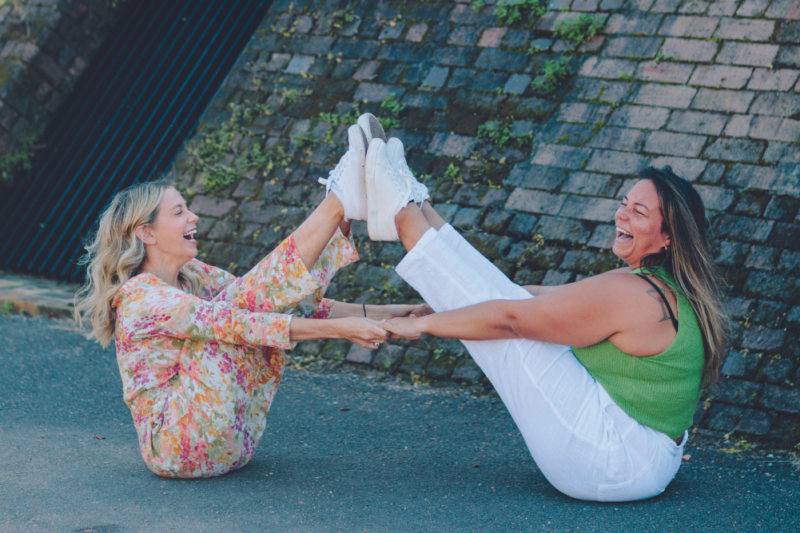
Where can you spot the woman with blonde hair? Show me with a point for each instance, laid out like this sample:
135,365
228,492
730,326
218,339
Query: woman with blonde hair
601,376
200,351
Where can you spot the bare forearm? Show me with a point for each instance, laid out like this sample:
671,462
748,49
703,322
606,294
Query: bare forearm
538,290
375,312
309,329
488,320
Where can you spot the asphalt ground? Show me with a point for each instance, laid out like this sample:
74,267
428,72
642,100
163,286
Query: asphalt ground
341,452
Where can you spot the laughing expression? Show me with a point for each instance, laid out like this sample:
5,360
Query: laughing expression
639,222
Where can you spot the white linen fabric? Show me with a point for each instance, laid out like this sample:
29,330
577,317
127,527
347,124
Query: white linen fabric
583,443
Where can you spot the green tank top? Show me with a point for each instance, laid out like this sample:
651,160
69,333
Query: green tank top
660,391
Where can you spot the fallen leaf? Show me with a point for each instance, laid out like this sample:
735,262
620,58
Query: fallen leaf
98,437
730,450
687,457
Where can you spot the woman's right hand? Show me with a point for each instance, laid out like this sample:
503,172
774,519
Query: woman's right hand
362,331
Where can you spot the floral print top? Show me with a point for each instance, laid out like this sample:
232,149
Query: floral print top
200,372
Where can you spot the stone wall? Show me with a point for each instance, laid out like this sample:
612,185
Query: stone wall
44,46
709,88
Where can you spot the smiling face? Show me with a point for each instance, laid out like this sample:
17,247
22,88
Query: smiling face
639,224
171,238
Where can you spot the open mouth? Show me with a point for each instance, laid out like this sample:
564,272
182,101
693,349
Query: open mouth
190,235
623,236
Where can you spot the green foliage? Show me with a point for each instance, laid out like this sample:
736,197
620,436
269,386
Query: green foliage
453,174
341,17
578,30
555,71
6,308
500,134
477,5
509,13
336,120
222,154
390,112
19,160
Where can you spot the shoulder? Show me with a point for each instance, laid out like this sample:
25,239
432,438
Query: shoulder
143,290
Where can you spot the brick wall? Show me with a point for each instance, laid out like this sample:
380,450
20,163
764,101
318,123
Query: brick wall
709,88
44,46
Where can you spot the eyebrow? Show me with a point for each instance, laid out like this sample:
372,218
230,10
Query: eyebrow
636,203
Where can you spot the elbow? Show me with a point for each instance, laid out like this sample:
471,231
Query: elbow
511,325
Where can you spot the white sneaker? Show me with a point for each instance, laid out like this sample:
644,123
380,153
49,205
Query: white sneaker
347,179
372,127
419,192
387,193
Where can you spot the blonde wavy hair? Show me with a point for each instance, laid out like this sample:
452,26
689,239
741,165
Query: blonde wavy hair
114,255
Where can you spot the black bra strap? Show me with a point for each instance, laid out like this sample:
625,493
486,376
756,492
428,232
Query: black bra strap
664,298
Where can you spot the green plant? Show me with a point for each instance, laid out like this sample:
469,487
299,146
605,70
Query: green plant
555,71
6,308
500,134
509,13
453,173
578,30
477,5
341,17
20,159
390,112
221,155
337,119
624,76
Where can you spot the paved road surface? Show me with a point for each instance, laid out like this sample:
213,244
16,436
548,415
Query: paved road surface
341,452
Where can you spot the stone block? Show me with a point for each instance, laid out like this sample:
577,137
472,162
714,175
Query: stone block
775,129
665,6
689,169
723,100
595,67
360,355
590,184
754,55
560,156
723,417
630,47
425,101
492,37
375,92
782,208
715,198
391,31
741,365
777,104
557,277
367,70
721,76
680,144
212,207
416,32
582,113
468,372
773,80
600,90
694,122
595,209
624,139
745,29
732,253
754,422
784,400
777,370
784,9
409,53
725,8
534,177
451,145
464,35
496,59
616,162
415,361
738,125
589,262
776,287
740,150
437,76
496,222
388,356
440,368
654,94
603,236
461,77
752,177
489,245
788,32
517,84
743,229
639,117
632,23
516,38
736,391
299,64
534,202
561,229
759,338
464,14
521,225
467,218
683,26
752,8
664,72
454,56
690,50
788,56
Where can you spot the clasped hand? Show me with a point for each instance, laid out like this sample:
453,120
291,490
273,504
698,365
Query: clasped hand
409,327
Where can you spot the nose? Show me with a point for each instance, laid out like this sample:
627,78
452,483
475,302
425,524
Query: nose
192,218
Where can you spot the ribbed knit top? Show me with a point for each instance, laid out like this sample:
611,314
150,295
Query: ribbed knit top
659,391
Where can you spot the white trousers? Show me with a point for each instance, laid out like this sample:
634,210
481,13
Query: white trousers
583,443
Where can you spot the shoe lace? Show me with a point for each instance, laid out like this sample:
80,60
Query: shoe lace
337,172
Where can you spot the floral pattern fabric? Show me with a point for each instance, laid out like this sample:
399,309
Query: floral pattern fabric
199,372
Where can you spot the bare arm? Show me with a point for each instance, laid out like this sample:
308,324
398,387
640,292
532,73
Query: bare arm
362,331
538,290
375,312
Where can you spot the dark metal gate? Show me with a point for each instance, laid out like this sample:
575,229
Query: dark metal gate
126,120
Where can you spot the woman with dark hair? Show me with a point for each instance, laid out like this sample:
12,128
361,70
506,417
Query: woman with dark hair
601,376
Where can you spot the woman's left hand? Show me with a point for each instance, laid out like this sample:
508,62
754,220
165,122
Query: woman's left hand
403,310
406,328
